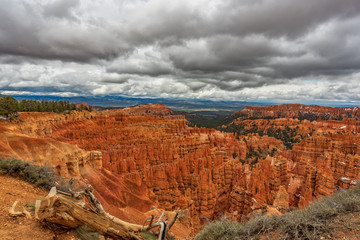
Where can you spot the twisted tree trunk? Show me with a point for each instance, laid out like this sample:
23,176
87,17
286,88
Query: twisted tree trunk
65,211
68,210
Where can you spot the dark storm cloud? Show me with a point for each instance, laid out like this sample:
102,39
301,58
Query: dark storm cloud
282,17
49,31
226,53
207,49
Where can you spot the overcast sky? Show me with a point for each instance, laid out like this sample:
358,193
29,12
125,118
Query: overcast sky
286,50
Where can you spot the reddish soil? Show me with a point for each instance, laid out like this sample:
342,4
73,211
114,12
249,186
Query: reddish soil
11,228
347,226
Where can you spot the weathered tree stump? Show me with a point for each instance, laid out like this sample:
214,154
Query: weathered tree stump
68,213
68,210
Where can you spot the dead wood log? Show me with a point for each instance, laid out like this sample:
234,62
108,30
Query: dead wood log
95,205
26,213
12,210
65,211
15,213
37,208
69,210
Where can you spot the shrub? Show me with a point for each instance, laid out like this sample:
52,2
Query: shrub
30,205
86,233
148,236
41,176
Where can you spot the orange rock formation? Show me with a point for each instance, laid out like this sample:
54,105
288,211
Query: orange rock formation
176,167
325,158
144,159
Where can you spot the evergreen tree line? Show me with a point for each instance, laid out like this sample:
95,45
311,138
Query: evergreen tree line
9,106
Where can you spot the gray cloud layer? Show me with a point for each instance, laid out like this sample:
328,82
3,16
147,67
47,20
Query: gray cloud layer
230,49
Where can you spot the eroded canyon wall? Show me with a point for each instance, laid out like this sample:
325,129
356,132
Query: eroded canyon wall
322,155
181,167
145,158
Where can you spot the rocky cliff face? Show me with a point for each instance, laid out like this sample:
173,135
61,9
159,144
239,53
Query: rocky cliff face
38,124
322,155
321,164
66,158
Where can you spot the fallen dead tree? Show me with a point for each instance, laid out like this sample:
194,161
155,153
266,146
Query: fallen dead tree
75,209
63,210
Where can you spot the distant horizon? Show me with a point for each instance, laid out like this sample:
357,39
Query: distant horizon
127,101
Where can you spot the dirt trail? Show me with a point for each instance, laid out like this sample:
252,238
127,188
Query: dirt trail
11,228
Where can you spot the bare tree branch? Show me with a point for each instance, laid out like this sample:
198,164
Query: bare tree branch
173,221
12,211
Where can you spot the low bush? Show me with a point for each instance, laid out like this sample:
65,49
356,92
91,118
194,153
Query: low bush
41,176
148,236
86,233
30,205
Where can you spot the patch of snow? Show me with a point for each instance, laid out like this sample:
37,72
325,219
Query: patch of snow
342,163
342,127
345,179
354,182
254,200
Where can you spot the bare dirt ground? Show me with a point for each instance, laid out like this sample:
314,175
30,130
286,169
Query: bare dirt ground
347,226
11,228
344,227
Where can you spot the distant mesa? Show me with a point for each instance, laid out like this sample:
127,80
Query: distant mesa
149,109
83,104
